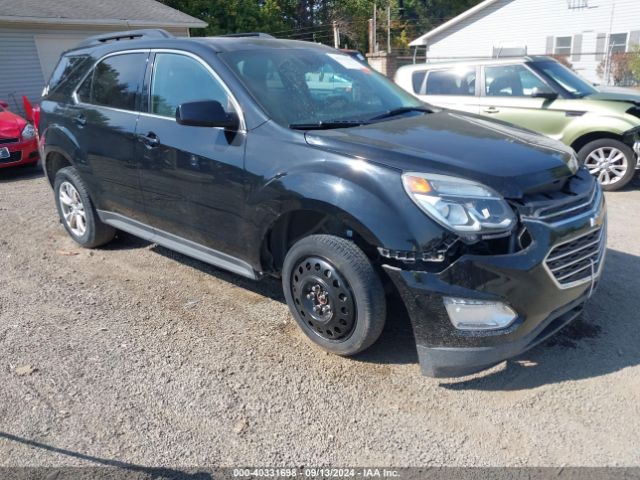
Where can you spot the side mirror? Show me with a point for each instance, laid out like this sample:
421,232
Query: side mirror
548,94
4,104
206,113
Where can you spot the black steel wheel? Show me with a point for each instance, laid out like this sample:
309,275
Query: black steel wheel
323,298
334,293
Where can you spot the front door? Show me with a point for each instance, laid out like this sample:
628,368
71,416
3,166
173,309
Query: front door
192,177
507,95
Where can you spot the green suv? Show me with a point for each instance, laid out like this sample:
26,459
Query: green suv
540,94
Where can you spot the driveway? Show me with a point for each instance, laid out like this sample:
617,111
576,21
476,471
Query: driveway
135,354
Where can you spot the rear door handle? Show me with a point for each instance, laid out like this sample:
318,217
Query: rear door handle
491,110
150,140
80,120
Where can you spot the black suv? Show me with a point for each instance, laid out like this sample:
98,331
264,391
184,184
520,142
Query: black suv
290,159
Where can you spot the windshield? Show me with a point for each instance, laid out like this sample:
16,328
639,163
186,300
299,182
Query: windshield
310,86
566,78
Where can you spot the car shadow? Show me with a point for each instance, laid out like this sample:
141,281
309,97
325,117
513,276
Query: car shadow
106,468
21,172
597,343
604,339
395,346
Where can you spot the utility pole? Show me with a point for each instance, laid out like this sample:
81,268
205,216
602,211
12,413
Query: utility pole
375,27
336,35
389,28
370,35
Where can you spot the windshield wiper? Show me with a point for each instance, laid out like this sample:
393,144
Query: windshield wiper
400,111
328,124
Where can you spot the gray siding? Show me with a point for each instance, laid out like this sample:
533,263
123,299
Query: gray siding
20,67
20,72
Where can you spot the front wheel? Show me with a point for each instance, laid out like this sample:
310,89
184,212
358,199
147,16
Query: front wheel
610,161
334,293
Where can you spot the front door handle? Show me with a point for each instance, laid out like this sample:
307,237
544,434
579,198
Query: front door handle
80,120
491,110
150,140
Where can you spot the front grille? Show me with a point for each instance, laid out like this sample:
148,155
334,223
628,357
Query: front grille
13,157
5,141
580,195
577,260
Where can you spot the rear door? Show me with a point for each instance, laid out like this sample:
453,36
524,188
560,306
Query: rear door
507,95
454,88
192,177
104,117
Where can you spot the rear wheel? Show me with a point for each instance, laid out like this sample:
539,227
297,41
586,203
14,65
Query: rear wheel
77,213
610,161
334,294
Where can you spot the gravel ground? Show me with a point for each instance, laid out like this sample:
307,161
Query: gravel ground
136,354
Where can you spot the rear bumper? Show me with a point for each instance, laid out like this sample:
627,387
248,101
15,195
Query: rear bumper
636,148
21,153
521,280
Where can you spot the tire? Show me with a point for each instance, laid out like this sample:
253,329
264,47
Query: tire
612,176
76,210
333,275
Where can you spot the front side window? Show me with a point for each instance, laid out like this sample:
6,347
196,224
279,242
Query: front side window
309,85
179,79
454,81
114,82
511,81
618,43
563,46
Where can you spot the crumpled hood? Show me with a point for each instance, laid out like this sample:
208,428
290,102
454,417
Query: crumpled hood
11,125
510,160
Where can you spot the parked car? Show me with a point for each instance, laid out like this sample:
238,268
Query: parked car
18,139
219,148
540,94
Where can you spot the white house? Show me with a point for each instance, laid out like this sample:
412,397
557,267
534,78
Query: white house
33,34
587,31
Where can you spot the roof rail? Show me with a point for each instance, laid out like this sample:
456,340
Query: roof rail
126,35
249,34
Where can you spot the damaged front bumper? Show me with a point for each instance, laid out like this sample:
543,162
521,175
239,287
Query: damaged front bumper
545,284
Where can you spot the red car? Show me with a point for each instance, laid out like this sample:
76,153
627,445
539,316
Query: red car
18,139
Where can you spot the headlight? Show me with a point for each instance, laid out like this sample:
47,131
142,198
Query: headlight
468,208
28,132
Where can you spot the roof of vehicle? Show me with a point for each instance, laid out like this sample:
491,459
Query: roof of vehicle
142,39
470,62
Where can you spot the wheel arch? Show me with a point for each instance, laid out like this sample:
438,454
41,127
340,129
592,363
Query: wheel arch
586,138
309,219
54,160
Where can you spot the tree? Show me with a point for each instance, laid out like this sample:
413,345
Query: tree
313,19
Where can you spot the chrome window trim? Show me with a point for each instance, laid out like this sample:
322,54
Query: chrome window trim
74,94
214,74
234,101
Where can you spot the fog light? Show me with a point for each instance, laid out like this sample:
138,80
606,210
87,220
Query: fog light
468,314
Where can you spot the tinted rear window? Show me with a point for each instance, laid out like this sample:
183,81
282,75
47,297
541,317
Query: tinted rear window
454,81
115,81
67,74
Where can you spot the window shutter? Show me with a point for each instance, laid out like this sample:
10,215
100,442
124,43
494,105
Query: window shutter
576,50
549,46
600,46
634,38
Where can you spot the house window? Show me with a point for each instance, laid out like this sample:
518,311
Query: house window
563,46
618,43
